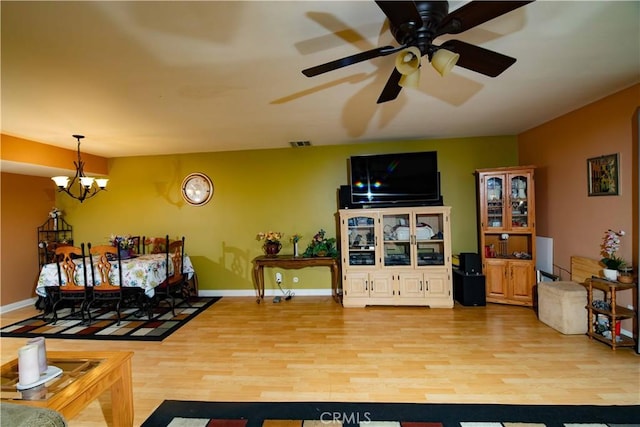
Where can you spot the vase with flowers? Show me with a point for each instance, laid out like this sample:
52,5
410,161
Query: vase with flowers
124,243
295,239
611,262
272,244
321,246
55,214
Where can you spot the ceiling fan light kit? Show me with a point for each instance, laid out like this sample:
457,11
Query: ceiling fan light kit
408,64
414,25
408,60
410,80
444,60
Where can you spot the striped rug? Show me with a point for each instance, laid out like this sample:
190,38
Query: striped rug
134,326
175,413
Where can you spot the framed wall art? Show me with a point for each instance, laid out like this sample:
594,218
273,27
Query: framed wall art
602,175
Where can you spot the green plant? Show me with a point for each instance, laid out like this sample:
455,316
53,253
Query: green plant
321,246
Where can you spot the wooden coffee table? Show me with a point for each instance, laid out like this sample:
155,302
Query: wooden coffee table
85,376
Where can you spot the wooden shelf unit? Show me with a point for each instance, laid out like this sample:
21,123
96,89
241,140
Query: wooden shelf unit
51,234
615,312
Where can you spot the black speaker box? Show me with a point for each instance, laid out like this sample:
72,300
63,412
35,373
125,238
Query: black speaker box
469,289
344,196
470,263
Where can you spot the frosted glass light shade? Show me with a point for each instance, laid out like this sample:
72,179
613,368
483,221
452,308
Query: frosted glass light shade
102,182
444,60
61,181
86,181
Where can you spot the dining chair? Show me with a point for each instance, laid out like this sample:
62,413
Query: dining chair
154,245
68,289
104,288
137,245
174,283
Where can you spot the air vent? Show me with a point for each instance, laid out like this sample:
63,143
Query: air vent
296,144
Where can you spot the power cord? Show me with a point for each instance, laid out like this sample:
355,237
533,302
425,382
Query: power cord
288,294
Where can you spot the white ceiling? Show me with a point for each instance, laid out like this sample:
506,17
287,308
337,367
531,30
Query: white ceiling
145,78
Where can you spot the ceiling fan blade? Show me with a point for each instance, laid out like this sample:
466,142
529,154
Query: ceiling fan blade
353,59
392,88
401,12
476,13
478,59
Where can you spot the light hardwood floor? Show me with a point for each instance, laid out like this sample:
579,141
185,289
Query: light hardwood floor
312,349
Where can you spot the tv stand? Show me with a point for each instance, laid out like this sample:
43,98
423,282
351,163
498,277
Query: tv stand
396,256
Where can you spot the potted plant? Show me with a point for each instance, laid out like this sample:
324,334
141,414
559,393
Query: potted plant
272,244
610,245
321,246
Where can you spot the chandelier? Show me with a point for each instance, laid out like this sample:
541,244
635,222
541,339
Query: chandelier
80,187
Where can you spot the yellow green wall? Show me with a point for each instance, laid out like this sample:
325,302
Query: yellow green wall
292,190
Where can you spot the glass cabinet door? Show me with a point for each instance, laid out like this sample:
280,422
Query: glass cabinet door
429,239
495,201
519,201
396,247
362,240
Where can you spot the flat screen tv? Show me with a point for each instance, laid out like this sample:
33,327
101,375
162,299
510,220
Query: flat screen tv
395,179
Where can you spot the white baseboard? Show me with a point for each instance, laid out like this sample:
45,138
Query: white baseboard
16,305
267,292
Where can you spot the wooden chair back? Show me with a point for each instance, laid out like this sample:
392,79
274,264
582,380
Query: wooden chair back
69,289
137,245
101,263
175,252
154,245
64,257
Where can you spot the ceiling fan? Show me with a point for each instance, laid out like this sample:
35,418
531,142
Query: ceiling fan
414,25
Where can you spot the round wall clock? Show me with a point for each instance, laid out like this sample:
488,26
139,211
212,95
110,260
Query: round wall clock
197,189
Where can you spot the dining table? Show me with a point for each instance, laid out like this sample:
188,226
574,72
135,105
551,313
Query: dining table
140,271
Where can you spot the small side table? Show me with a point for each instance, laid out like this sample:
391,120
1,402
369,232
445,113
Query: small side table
615,312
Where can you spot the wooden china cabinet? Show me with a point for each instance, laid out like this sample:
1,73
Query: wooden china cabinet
507,233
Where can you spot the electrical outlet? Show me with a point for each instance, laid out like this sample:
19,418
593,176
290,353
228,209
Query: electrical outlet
278,278
296,280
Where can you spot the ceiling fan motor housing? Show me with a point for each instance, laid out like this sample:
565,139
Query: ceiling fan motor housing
421,34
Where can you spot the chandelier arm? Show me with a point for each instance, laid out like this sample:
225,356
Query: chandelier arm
85,193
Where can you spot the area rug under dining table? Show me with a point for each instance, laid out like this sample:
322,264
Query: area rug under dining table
134,325
176,413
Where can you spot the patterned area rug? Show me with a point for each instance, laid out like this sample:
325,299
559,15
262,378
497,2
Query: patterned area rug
175,413
134,325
